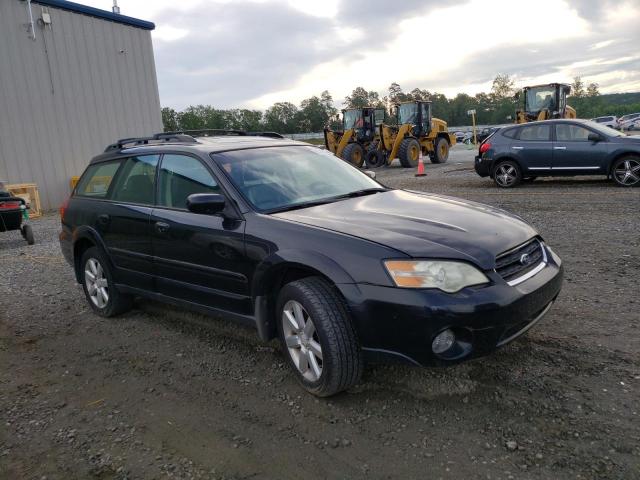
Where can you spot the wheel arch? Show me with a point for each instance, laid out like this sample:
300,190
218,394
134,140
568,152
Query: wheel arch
504,158
618,155
83,239
282,268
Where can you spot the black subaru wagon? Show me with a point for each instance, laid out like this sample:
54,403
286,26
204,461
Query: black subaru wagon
301,245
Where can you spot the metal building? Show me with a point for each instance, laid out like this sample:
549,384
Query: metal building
72,80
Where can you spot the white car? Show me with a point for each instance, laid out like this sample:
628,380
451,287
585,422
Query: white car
626,120
609,121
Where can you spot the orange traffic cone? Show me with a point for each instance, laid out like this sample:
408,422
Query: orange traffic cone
420,172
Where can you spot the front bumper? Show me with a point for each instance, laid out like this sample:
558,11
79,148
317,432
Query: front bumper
400,324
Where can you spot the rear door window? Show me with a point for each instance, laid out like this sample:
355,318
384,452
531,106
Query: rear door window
181,176
97,179
571,133
535,133
136,181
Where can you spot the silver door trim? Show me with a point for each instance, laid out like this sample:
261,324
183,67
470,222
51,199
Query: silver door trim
539,168
559,148
517,148
576,168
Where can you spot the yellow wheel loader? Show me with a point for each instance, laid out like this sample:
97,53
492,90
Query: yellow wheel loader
416,132
543,102
358,140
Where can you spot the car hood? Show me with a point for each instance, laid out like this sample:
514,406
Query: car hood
422,225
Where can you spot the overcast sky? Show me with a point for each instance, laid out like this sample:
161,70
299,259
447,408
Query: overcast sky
252,53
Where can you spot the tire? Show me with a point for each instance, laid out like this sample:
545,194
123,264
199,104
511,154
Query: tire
27,233
625,171
375,158
116,302
409,153
507,174
328,326
354,154
441,151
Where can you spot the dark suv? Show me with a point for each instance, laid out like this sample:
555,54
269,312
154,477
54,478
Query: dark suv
303,246
559,148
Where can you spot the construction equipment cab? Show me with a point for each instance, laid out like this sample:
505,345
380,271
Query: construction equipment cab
358,138
416,132
543,102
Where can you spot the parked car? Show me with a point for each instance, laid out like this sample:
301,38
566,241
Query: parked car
625,119
559,147
628,125
459,136
485,133
303,246
608,121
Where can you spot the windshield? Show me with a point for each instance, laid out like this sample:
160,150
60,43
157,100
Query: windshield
408,113
539,98
606,130
280,178
352,119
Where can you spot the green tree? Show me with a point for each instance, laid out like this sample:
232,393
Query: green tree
170,119
592,90
280,117
577,87
361,98
502,87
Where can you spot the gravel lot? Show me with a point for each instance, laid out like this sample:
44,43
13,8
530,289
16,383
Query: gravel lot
163,393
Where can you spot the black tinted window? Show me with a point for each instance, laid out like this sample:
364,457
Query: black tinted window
136,180
535,133
96,180
180,176
510,132
571,133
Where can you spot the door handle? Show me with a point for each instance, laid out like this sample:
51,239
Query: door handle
104,219
559,148
162,227
518,148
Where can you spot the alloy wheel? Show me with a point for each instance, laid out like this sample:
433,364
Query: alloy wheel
96,283
301,338
506,175
628,172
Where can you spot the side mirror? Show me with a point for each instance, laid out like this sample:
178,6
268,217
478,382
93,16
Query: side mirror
205,203
594,137
370,173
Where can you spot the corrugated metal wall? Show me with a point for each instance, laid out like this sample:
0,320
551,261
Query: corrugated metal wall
81,84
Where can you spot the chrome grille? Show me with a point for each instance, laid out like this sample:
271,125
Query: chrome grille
517,263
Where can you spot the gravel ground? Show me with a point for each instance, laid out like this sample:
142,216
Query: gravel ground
164,393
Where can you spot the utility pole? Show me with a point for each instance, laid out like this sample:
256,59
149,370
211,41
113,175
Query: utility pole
473,121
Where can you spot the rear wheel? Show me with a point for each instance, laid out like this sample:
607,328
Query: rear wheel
441,151
507,174
375,158
409,152
626,171
353,153
27,233
98,285
318,337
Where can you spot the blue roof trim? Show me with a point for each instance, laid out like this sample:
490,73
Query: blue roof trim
96,12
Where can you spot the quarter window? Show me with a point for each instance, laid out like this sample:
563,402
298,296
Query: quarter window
535,133
136,180
511,132
181,176
96,180
571,133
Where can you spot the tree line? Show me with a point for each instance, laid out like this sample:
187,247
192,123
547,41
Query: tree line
312,114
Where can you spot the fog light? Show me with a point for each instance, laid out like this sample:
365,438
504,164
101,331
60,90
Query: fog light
443,341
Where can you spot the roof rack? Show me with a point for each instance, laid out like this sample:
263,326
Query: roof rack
169,137
185,136
217,132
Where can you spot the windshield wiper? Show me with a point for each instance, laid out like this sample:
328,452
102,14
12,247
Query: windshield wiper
361,193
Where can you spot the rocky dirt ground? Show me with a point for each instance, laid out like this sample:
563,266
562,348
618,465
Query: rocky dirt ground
164,393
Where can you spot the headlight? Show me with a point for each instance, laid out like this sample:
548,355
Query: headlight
447,276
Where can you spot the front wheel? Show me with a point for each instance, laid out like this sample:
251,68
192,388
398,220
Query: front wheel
353,153
409,153
27,234
318,337
507,174
441,151
98,285
626,171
